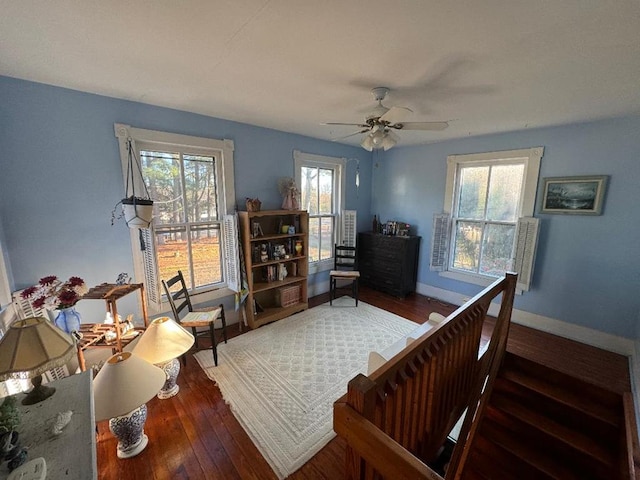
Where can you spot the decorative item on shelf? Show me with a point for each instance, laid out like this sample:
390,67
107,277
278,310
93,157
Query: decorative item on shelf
51,293
298,247
253,204
290,193
137,211
123,279
122,388
31,347
161,344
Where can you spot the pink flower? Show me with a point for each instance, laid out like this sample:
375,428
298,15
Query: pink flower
75,281
27,292
48,280
38,302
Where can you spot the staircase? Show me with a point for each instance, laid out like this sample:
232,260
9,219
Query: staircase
543,424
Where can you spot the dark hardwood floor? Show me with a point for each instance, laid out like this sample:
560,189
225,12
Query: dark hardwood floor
194,435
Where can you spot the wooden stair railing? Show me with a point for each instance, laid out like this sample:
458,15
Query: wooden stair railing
396,420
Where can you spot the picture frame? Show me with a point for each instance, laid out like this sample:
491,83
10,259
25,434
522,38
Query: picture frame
583,195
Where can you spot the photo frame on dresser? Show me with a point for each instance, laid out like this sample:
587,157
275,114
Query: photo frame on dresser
583,195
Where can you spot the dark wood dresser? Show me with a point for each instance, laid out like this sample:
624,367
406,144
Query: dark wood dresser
388,264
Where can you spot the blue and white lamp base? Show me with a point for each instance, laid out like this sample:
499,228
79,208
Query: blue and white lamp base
170,387
129,430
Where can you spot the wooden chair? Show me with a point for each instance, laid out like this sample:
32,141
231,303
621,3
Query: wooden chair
179,300
345,267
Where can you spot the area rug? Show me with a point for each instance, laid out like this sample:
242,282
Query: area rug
282,379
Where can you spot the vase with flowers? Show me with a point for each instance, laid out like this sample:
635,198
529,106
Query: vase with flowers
53,294
290,193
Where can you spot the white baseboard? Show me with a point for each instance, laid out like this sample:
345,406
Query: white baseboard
595,338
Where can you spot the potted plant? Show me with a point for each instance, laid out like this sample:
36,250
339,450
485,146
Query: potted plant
137,211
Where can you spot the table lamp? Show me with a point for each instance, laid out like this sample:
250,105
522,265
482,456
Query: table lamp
122,388
31,347
162,343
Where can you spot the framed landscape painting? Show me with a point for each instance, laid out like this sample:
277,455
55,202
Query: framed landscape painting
574,195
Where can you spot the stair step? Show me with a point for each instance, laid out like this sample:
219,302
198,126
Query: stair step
489,460
582,401
562,413
549,446
552,428
503,450
567,388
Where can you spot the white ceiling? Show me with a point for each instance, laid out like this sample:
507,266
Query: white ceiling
484,66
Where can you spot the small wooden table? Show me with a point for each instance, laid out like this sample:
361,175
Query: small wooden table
94,335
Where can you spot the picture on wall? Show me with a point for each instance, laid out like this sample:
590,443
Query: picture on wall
574,195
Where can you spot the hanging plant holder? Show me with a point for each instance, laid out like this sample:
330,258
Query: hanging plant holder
137,210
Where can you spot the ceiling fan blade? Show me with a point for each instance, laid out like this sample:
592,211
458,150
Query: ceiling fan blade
436,126
361,125
350,135
396,114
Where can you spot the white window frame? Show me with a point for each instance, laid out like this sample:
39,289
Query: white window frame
222,150
531,158
5,290
338,165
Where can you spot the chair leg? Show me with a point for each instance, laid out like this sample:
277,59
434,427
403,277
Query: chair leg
331,290
355,288
195,336
214,348
224,323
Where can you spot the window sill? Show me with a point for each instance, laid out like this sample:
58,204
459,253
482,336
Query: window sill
322,266
474,278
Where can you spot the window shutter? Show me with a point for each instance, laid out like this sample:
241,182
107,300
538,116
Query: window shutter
349,228
150,269
440,242
526,241
232,256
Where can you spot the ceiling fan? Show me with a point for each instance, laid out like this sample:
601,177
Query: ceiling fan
381,122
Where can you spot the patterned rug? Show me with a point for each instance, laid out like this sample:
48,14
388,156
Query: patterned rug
281,380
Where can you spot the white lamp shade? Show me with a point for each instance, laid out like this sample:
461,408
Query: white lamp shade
163,340
125,382
31,347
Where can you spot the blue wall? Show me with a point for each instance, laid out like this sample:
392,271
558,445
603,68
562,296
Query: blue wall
61,176
587,269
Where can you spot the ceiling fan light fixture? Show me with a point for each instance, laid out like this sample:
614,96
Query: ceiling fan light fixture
367,143
378,138
387,142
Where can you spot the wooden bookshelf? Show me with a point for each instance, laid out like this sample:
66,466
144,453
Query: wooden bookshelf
276,270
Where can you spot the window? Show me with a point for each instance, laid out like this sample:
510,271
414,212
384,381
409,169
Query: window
322,195
487,196
190,180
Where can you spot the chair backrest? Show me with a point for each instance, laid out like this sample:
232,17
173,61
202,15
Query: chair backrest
178,299
345,258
